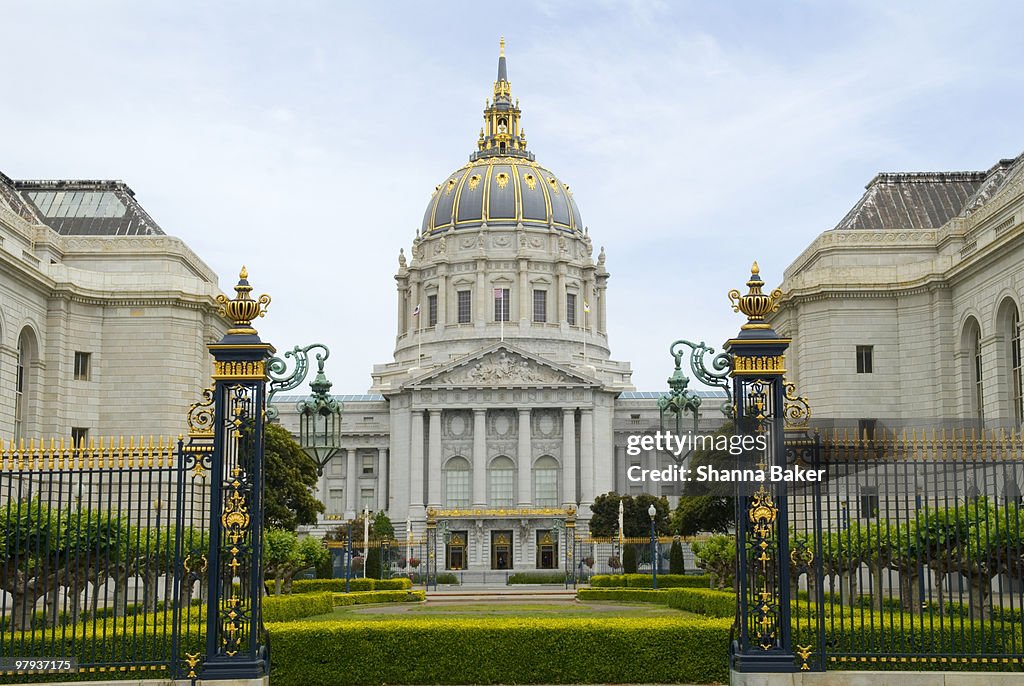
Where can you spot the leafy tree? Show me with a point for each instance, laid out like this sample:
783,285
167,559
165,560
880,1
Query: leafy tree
676,564
373,565
703,514
381,526
717,556
285,555
290,479
605,519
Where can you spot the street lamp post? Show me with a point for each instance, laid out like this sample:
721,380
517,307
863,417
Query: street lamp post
349,516
652,511
320,421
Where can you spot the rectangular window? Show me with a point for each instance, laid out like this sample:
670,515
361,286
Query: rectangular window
570,309
79,435
865,353
501,304
82,365
336,501
367,464
465,302
540,306
432,310
868,502
866,429
366,499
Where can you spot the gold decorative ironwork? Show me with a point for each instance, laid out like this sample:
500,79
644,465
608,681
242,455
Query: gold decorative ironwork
192,661
755,304
763,512
243,309
200,415
796,409
476,512
194,565
247,370
105,453
805,653
759,364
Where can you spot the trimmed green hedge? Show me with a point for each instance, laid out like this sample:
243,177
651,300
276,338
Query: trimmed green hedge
623,595
338,585
368,597
644,581
537,578
286,608
501,651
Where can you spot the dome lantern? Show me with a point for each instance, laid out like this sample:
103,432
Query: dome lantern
502,134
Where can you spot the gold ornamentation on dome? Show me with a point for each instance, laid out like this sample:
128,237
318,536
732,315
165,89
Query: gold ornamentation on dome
451,185
501,179
474,181
531,181
755,304
567,189
243,309
554,185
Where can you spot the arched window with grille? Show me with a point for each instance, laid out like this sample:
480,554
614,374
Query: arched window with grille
456,482
974,372
545,482
501,476
23,386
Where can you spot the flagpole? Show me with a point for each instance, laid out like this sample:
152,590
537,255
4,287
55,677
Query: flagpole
586,311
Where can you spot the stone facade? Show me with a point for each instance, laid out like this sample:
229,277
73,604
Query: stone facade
102,334
924,277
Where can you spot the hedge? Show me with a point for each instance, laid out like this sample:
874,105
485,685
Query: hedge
644,581
368,597
625,595
360,584
288,607
537,578
501,651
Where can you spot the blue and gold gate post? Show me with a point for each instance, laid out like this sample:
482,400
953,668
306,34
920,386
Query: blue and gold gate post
762,533
235,647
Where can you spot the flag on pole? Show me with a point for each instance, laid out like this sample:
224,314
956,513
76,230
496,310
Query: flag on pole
586,306
416,312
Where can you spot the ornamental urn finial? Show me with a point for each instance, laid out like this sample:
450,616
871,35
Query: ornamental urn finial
242,309
755,304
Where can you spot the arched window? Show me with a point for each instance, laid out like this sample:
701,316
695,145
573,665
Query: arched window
501,476
974,372
23,389
456,482
1014,359
545,482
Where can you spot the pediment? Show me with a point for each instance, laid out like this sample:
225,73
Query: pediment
502,366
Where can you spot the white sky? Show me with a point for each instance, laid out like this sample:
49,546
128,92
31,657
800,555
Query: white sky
303,139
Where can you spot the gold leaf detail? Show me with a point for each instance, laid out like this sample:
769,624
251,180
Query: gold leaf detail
474,181
501,179
531,181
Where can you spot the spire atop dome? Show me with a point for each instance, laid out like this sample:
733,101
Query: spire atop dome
503,135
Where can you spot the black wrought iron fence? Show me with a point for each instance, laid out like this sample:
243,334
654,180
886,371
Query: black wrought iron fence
103,554
912,551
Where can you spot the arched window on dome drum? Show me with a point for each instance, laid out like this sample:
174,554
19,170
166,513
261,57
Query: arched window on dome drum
545,482
456,482
500,482
979,385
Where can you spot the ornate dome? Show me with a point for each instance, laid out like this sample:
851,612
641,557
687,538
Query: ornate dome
501,190
502,184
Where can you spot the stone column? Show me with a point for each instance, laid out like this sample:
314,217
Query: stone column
586,457
525,297
383,487
568,457
560,307
525,454
482,313
434,461
479,457
350,481
442,296
416,463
